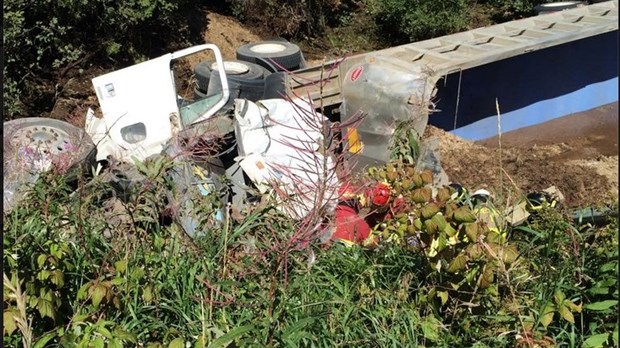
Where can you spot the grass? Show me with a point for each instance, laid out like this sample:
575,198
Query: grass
76,276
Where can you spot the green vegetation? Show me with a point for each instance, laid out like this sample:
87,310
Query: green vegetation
83,269
80,273
44,39
403,21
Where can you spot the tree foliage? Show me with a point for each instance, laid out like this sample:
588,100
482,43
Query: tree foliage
293,19
43,38
402,21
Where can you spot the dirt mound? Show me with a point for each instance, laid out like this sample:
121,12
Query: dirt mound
227,34
519,170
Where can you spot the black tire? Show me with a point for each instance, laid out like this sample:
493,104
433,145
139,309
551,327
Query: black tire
556,6
275,86
202,72
198,94
241,69
283,53
266,64
239,86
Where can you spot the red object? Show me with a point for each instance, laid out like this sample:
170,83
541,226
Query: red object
350,226
380,195
356,73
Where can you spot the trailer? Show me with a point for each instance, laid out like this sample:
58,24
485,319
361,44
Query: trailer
537,68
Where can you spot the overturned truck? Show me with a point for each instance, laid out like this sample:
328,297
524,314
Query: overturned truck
269,115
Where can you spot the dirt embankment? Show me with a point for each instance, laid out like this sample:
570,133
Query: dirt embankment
578,154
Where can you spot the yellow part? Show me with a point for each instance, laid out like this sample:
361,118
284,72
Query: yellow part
199,172
355,145
346,242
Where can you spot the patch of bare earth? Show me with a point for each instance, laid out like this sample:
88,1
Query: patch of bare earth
578,154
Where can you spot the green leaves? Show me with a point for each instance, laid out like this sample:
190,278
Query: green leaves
429,210
178,342
42,39
602,305
463,215
431,328
121,266
546,316
99,291
596,341
563,306
421,195
10,325
246,284
458,263
228,337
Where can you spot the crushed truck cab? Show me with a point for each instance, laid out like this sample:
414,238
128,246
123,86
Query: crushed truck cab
141,108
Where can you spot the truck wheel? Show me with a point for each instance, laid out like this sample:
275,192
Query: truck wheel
556,6
275,86
246,84
198,94
37,143
249,71
285,54
33,145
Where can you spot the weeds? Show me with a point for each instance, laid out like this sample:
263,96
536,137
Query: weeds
80,280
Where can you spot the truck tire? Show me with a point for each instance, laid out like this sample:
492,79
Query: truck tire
202,72
52,140
246,70
556,6
275,86
32,145
249,85
285,54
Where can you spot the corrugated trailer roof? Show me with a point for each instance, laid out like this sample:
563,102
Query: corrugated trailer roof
465,50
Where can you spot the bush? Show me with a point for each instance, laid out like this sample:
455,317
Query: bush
507,10
293,19
43,39
402,21
79,272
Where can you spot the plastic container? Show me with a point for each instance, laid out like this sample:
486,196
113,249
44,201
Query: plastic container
386,91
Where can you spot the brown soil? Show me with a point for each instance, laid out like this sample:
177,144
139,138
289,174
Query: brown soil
578,154
227,34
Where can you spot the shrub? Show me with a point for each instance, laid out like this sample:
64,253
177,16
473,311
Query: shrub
43,39
507,10
293,19
78,273
402,21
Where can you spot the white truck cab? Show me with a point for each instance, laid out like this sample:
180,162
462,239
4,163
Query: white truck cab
141,108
